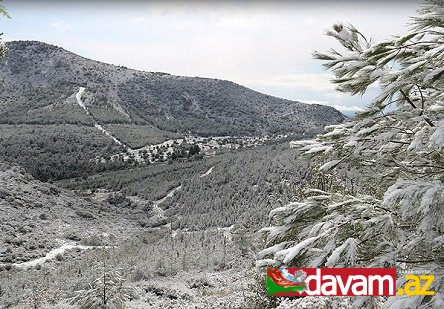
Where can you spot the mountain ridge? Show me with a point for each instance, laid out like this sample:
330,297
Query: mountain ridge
199,105
156,73
58,111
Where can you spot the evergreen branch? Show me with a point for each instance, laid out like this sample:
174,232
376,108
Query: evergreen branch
407,98
399,142
415,261
386,209
429,122
422,99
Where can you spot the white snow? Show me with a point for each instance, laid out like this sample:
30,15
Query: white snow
289,254
207,172
79,99
350,246
277,211
157,209
329,165
436,108
52,255
345,35
272,249
226,231
414,66
311,302
319,149
266,262
97,125
437,138
433,73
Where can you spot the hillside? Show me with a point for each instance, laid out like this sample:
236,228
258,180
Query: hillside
39,82
59,112
36,217
169,260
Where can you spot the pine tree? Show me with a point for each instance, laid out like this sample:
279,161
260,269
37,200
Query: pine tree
397,145
3,47
106,292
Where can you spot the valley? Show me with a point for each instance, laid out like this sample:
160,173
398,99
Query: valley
160,180
171,253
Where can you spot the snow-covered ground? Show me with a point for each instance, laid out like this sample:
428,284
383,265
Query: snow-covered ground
156,204
51,255
207,145
186,290
207,172
97,125
227,232
79,99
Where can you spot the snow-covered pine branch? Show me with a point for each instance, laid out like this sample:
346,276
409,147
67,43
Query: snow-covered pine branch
396,144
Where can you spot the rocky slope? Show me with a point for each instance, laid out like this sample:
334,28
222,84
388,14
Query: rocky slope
36,217
39,82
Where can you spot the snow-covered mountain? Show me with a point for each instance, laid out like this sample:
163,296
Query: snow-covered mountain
39,79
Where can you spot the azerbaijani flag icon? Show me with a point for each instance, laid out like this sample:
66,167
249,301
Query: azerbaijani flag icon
281,282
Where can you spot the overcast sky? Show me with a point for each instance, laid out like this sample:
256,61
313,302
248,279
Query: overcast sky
265,46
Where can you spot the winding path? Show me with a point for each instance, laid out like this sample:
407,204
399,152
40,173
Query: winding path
50,255
157,209
207,172
96,124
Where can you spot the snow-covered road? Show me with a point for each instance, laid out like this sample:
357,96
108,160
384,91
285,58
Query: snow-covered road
79,99
207,172
101,129
157,209
50,255
97,125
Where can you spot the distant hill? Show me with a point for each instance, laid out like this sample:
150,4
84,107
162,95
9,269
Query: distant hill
45,128
39,80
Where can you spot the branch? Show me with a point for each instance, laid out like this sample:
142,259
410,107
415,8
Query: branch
422,100
407,98
386,209
399,142
429,122
370,238
415,262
